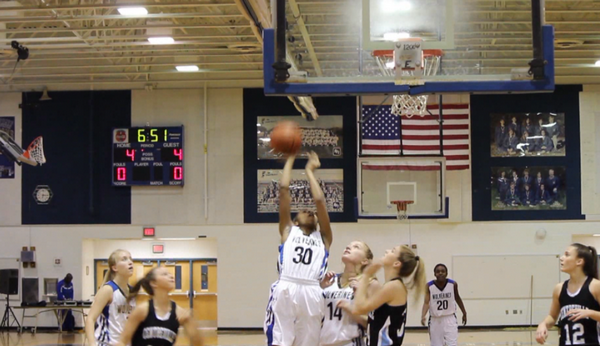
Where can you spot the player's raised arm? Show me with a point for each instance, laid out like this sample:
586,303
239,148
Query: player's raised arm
319,198
285,201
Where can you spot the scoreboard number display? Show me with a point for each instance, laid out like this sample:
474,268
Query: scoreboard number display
148,156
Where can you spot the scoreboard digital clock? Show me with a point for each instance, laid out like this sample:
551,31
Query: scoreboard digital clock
147,156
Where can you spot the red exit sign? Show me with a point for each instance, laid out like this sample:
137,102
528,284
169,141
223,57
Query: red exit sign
149,232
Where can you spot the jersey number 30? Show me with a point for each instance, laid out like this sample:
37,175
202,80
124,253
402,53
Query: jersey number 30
577,334
303,256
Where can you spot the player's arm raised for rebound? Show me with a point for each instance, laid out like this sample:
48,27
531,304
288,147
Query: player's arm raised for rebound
285,200
319,198
542,329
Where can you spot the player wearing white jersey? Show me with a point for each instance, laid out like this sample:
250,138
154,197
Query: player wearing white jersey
340,326
110,308
296,305
440,301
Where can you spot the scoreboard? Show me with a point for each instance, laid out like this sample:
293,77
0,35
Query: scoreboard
147,156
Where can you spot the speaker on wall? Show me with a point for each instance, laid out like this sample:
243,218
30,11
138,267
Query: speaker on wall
9,281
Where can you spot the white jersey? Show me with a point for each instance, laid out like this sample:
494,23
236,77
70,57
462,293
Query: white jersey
302,257
338,326
111,322
441,301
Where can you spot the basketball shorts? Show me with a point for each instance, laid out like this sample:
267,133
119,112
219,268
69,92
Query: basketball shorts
294,313
443,330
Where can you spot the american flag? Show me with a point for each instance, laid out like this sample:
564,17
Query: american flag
420,135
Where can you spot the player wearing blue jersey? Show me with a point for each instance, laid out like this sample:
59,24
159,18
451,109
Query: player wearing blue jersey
157,322
296,305
575,303
110,309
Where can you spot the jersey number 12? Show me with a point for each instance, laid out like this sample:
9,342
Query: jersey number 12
577,334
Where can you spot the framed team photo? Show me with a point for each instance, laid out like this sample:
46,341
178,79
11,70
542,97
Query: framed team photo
325,136
331,181
527,134
529,188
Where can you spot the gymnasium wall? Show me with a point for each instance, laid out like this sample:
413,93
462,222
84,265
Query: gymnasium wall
247,253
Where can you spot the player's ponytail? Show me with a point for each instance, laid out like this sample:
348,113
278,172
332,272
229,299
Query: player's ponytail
112,261
412,267
590,259
143,283
368,254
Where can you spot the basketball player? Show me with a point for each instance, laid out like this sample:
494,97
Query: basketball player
110,308
441,299
296,306
387,306
156,322
340,326
575,302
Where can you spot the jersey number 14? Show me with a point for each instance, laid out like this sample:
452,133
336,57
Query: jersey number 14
334,312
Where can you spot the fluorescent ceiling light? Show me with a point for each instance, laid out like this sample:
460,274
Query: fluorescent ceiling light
597,63
394,36
132,11
187,68
161,40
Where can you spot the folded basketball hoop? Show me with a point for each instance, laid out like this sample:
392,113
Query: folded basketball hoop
35,151
395,63
402,209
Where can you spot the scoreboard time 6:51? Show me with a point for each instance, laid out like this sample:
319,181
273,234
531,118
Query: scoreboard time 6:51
148,156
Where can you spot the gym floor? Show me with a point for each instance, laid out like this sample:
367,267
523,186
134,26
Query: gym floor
467,337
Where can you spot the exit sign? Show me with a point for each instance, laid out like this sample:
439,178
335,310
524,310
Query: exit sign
158,248
149,232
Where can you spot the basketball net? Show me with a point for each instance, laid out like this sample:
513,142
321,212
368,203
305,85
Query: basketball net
402,209
35,151
409,63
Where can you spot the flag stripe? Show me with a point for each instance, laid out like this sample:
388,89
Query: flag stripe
385,134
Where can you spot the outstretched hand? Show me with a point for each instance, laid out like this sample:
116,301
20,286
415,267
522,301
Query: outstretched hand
313,161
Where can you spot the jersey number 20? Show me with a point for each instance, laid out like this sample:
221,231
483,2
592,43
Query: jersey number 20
303,256
577,335
442,304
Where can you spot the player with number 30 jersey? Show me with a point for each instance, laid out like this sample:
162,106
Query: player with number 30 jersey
296,305
575,304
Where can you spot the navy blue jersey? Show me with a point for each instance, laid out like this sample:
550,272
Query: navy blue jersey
584,331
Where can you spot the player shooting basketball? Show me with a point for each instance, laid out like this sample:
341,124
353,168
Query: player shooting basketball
296,306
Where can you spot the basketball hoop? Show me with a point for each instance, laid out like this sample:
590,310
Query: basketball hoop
407,105
402,208
35,151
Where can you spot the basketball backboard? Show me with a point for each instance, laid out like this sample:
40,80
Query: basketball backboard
333,47
384,180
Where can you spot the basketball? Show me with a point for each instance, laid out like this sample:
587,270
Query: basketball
286,137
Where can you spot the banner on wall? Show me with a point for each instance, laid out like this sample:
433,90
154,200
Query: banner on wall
7,167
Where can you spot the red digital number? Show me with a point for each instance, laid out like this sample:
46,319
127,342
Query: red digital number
178,153
178,173
121,174
130,153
